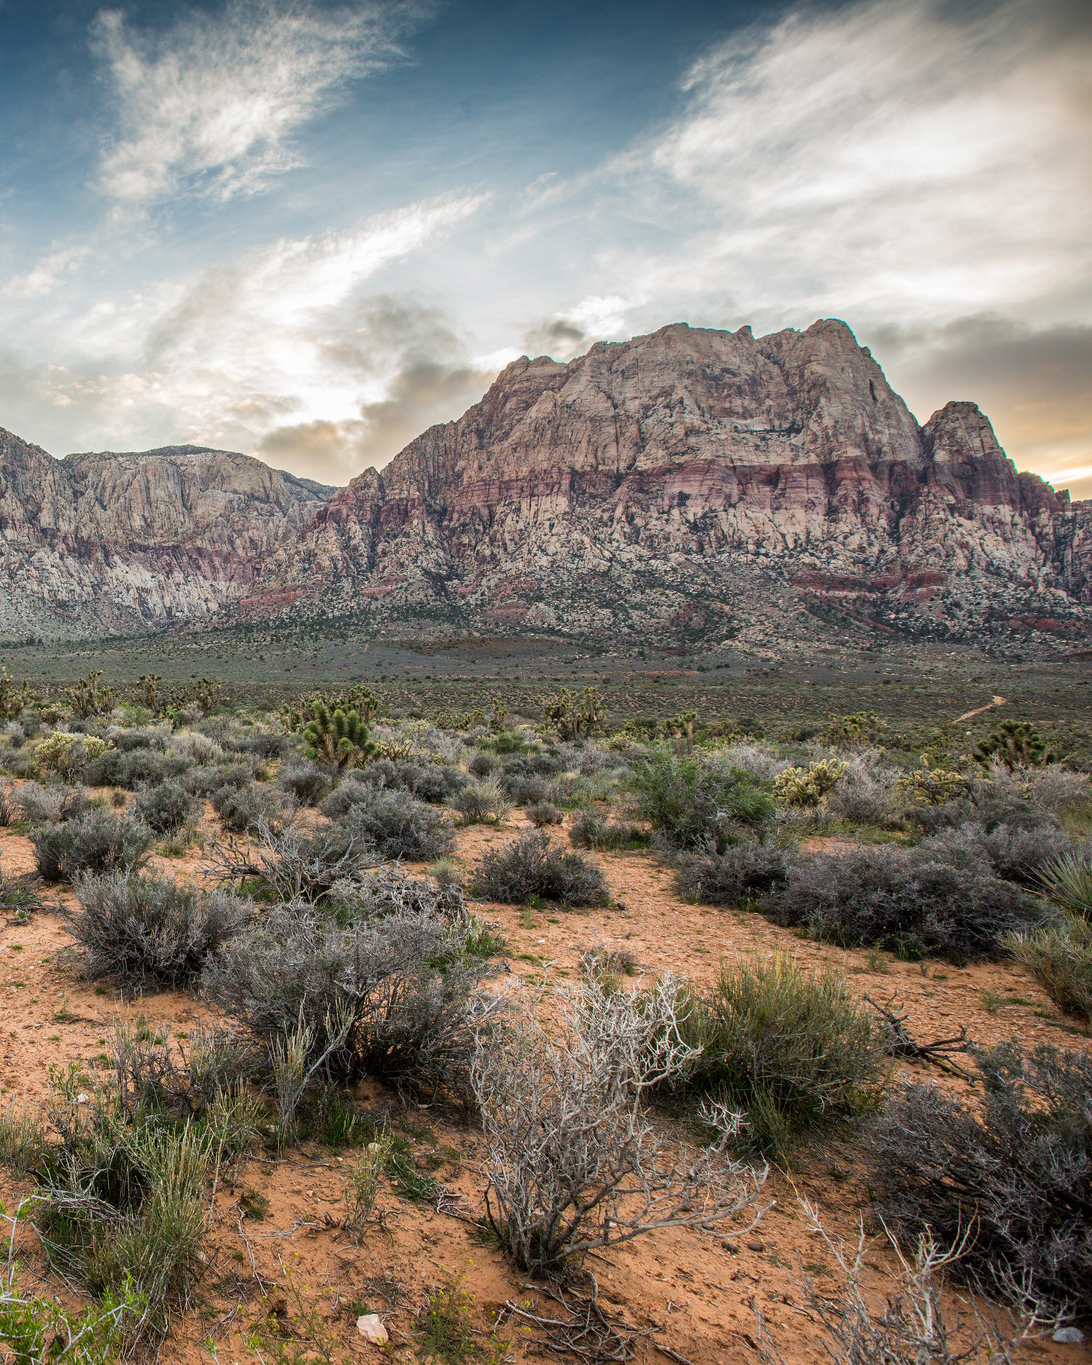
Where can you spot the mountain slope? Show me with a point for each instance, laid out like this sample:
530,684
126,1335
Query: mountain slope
695,484
99,544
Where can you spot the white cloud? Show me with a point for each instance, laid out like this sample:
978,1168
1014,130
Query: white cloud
47,273
893,158
278,338
210,106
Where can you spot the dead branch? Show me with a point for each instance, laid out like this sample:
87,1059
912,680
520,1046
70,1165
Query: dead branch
900,1044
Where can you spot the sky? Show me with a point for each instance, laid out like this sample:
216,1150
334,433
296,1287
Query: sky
309,229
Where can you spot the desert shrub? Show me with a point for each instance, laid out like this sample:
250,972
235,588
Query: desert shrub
1059,957
66,754
391,995
95,842
141,931
138,768
760,761
434,782
574,1164
37,1330
24,1143
866,794
1017,853
1068,881
121,1208
204,780
241,809
51,804
807,786
1015,1169
483,764
397,825
592,830
912,1324
790,1050
290,863
196,748
906,902
481,803
1054,788
742,873
525,791
545,813
9,811
142,737
694,801
268,744
166,808
533,866
306,782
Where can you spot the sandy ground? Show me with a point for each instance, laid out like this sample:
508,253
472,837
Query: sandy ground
698,1291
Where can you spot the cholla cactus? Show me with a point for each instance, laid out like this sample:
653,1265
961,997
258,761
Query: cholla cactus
808,786
66,754
339,738
933,786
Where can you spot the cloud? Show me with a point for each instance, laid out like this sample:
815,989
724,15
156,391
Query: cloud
900,159
569,333
47,273
1032,382
280,351
429,378
209,107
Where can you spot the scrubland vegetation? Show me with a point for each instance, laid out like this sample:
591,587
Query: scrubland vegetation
325,884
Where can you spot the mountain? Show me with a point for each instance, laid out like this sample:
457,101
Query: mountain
690,486
108,544
696,485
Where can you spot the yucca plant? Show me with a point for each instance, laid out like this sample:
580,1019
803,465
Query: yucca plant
338,738
1068,880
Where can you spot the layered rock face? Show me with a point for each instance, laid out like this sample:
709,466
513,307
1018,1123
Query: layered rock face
695,484
102,544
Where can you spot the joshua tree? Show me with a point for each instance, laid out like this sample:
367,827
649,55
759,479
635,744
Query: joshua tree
339,738
1017,743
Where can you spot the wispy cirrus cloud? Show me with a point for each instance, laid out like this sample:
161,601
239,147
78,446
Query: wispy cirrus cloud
209,107
909,158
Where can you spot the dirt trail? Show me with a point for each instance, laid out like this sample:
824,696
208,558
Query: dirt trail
997,701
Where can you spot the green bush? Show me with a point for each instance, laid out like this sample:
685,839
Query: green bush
533,867
481,803
791,1050
122,1207
241,809
95,842
592,830
138,768
698,802
1059,957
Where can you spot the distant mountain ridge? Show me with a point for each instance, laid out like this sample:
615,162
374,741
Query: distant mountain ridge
692,486
104,544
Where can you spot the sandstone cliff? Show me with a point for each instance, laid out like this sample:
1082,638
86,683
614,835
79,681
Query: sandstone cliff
696,484
102,544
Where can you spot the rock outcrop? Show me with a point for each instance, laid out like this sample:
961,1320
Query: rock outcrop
696,485
102,544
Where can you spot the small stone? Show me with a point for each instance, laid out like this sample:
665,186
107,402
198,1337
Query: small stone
756,1246
371,1329
1068,1336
